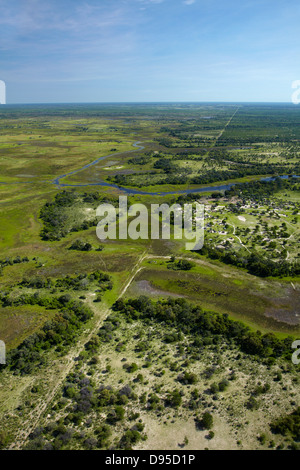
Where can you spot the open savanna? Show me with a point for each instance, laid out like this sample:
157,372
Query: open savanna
48,149
144,363
40,144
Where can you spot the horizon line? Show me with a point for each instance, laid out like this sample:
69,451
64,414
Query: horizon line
143,102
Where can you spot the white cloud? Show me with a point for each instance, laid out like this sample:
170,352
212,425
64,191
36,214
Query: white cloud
189,2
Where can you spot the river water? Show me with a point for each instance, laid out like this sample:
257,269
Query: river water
201,189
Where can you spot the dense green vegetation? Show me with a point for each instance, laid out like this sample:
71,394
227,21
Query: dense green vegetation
81,282
206,327
179,176
254,263
62,330
258,190
58,221
79,376
288,425
59,332
181,265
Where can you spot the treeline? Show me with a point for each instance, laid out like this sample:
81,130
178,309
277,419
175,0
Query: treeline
178,176
172,178
206,327
242,136
11,261
58,332
259,189
195,155
254,263
80,282
240,171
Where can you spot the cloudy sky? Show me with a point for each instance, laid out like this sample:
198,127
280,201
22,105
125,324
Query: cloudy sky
149,50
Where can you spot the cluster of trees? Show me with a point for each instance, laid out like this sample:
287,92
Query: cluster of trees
172,399
80,282
8,300
196,155
172,178
191,319
56,223
256,190
10,261
240,171
165,164
180,265
255,263
220,387
175,175
79,245
187,378
96,197
111,324
57,332
62,329
140,160
37,283
54,217
205,421
288,425
84,397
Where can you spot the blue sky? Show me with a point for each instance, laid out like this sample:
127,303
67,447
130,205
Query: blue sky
149,50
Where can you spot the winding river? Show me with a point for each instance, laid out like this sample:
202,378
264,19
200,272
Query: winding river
136,144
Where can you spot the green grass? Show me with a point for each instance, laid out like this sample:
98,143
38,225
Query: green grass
221,289
16,323
59,140
36,146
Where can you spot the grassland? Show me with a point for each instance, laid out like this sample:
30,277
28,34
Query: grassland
197,146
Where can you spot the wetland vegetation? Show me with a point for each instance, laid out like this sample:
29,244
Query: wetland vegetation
139,344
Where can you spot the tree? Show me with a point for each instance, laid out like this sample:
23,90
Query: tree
207,420
103,433
174,399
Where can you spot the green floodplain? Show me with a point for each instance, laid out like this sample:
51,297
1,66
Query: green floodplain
141,344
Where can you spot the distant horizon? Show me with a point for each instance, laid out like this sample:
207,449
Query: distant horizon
144,102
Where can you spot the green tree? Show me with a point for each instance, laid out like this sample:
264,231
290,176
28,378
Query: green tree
207,420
